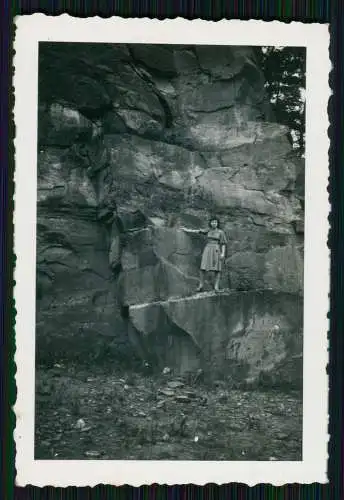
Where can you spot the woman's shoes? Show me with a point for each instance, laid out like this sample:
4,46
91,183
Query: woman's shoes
201,288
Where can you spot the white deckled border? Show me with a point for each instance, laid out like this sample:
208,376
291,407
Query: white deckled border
38,27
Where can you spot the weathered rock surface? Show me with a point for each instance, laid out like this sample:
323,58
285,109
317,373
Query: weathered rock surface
133,143
245,334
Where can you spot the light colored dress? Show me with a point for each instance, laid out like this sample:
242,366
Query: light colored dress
211,260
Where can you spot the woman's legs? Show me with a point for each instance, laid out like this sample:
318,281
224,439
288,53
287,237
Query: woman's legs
201,280
217,280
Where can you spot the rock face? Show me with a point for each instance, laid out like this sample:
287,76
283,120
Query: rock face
135,142
244,334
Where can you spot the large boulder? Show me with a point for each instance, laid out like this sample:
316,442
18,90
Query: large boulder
246,335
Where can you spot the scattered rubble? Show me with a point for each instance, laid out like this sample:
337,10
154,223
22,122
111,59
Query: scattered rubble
158,419
80,424
174,384
167,392
182,398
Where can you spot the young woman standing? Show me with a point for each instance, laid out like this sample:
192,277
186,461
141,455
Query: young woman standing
214,252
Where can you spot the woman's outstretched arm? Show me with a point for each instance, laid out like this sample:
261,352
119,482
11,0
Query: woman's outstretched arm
193,231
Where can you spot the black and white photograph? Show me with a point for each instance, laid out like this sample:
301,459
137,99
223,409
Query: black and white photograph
170,252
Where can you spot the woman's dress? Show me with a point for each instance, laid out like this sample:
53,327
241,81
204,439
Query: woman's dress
211,258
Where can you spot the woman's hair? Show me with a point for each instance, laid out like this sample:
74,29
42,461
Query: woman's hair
214,218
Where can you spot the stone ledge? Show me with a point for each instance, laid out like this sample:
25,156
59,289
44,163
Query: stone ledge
210,293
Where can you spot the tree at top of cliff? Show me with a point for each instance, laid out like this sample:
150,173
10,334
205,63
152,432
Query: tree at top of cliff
284,69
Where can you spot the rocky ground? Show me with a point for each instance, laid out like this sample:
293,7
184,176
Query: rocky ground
105,414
